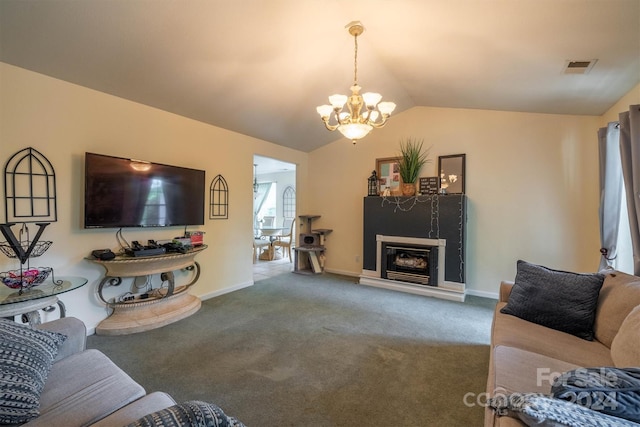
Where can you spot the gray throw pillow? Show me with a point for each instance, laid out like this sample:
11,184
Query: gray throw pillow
556,299
26,356
193,413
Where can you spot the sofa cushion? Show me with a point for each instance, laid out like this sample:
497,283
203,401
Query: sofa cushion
73,328
625,349
619,295
512,331
84,388
192,414
556,299
152,402
26,357
517,370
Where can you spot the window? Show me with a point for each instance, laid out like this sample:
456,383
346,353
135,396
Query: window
614,218
155,209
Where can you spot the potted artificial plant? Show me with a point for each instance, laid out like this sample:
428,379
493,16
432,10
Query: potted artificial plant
412,158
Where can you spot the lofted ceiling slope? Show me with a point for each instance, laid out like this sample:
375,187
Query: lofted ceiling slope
261,67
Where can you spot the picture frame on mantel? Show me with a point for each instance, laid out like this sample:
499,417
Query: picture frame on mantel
389,175
452,173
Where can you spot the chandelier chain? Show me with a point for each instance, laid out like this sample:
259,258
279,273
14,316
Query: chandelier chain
355,61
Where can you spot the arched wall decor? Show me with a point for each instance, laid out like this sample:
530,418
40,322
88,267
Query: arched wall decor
29,197
289,203
219,198
30,188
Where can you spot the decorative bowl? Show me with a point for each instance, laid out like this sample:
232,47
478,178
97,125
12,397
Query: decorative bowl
25,279
38,248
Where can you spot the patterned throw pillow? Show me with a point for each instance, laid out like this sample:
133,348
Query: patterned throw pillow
538,410
26,356
188,414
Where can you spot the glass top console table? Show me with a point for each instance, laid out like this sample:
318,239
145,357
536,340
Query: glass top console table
42,297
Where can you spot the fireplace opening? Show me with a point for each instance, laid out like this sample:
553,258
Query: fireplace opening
415,264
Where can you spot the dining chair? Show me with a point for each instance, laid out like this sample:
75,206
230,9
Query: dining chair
268,221
258,245
285,241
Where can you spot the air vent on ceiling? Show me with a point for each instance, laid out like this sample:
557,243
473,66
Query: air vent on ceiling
579,67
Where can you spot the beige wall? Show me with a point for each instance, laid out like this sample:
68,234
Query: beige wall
62,121
531,181
532,187
631,98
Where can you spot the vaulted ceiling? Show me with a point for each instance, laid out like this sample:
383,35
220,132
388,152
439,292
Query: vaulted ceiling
261,67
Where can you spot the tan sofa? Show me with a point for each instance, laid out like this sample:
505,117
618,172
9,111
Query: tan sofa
83,386
525,356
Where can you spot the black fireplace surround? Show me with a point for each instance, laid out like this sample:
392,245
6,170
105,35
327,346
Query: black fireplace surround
432,217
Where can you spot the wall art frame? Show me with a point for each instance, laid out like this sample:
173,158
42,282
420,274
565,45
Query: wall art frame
452,173
219,198
388,172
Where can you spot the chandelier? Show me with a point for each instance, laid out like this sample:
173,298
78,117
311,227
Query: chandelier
352,122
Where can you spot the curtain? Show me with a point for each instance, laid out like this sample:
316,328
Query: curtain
610,194
630,156
260,197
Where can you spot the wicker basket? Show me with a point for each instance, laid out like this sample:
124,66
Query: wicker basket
38,249
25,279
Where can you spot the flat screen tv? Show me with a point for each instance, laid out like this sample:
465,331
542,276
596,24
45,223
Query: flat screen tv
121,192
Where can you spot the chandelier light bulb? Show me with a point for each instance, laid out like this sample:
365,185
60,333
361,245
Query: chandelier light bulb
371,99
338,101
386,108
324,110
346,112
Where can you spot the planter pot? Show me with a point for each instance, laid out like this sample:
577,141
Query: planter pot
408,189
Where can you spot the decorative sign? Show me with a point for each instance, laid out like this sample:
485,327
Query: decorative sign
429,185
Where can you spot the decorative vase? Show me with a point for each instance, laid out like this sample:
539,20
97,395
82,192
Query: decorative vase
408,189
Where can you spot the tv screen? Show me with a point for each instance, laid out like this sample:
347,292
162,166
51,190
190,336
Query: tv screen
121,192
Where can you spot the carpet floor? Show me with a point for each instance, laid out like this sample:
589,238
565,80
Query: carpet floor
296,350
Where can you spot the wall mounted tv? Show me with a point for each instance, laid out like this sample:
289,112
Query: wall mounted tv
122,192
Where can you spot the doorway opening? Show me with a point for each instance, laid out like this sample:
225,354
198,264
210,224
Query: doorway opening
274,213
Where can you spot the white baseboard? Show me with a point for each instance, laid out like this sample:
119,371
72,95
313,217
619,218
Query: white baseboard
342,272
483,294
226,290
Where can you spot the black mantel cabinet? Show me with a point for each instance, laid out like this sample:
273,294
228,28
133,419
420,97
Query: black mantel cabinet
432,217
